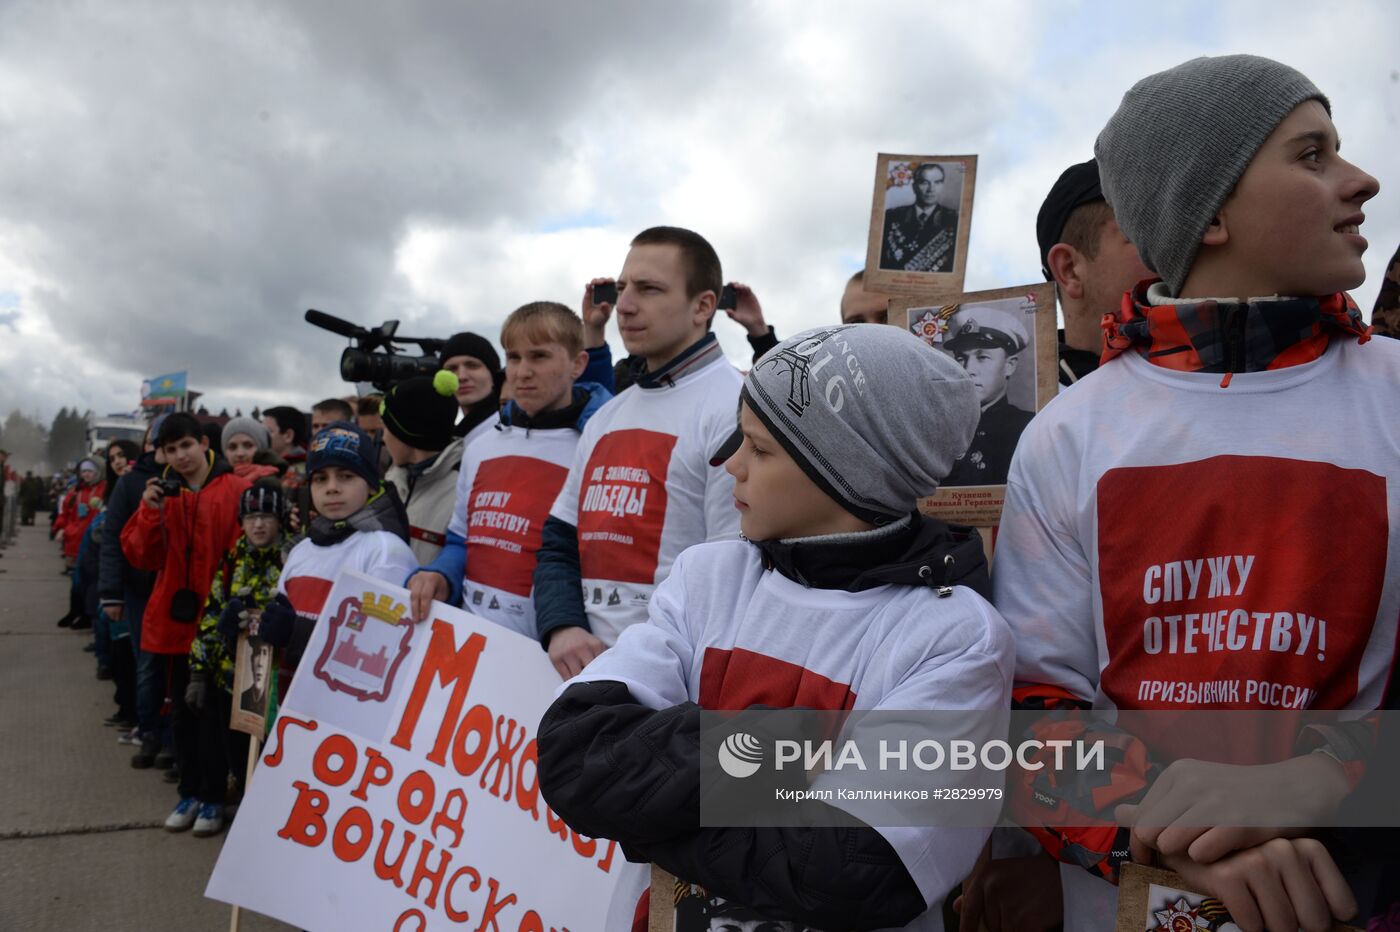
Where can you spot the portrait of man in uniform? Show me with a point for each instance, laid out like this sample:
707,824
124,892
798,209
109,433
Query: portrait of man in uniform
922,236
252,676
988,343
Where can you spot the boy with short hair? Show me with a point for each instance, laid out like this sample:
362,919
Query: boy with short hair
368,409
842,596
641,488
1172,523
511,476
286,428
187,521
1085,253
328,411
360,525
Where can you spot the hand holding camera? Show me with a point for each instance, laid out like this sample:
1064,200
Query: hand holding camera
741,304
599,296
158,489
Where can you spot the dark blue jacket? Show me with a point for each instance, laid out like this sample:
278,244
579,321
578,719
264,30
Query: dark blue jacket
115,576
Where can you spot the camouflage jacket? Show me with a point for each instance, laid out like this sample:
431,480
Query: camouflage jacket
247,573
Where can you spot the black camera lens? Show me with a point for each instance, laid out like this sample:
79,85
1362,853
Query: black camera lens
383,369
354,365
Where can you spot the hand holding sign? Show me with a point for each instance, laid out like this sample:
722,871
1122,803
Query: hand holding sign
425,588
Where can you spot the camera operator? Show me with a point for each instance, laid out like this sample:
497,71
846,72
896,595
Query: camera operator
473,360
187,521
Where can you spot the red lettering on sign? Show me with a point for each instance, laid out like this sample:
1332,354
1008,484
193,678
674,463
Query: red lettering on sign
452,667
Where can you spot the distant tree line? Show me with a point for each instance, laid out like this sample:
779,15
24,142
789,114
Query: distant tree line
32,445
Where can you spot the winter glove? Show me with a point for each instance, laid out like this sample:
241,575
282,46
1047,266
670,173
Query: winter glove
196,692
277,621
231,623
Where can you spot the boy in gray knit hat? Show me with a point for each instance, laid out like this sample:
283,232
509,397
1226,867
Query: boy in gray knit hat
1188,441
841,597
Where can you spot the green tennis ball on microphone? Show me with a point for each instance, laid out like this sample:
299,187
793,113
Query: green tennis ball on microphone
445,383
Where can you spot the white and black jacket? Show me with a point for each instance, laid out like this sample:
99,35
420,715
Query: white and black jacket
863,624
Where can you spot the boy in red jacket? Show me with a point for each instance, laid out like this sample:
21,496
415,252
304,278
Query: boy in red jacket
187,521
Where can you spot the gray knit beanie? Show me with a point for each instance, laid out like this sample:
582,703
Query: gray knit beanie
1178,144
872,414
248,426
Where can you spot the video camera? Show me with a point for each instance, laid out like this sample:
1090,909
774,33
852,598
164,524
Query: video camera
374,358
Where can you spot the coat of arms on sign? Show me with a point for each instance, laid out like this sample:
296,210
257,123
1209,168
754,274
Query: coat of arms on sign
367,643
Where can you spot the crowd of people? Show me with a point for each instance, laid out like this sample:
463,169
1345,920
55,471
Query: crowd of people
1221,394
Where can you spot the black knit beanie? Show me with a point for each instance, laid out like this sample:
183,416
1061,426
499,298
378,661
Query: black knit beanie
470,344
264,497
420,411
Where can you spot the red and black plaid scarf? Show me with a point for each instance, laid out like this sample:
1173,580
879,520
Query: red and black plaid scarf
1230,337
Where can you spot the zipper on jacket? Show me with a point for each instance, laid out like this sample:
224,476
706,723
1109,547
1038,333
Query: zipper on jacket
1235,321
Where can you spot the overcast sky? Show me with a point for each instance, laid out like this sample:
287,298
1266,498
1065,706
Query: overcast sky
179,182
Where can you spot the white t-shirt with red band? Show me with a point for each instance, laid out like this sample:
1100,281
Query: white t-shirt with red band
310,570
1169,544
726,634
641,488
509,479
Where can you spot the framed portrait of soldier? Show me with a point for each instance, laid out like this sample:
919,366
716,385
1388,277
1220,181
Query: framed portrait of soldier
252,686
678,906
920,221
1005,341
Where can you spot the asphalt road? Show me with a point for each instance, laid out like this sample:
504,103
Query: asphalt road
81,843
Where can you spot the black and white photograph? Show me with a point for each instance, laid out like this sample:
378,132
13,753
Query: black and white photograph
919,224
990,341
252,676
1000,338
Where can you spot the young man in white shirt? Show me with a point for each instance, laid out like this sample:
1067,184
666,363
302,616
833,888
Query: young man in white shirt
641,488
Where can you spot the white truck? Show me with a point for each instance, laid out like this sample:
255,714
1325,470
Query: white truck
103,429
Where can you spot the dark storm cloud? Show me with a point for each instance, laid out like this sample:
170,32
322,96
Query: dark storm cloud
193,177
178,182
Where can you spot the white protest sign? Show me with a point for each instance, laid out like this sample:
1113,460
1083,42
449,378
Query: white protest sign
398,789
